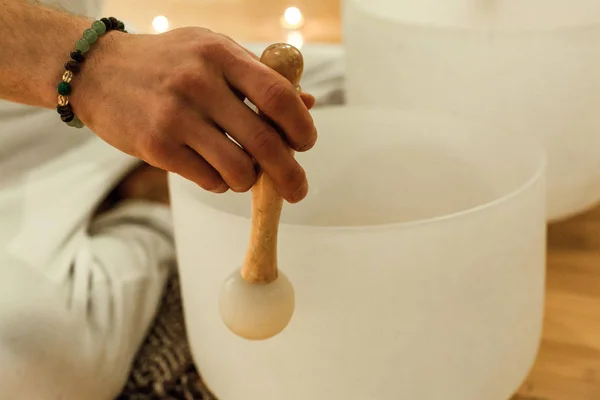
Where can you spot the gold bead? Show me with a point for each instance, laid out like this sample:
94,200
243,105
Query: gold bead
67,76
298,89
63,100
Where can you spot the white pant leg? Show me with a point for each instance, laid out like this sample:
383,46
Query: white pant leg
76,339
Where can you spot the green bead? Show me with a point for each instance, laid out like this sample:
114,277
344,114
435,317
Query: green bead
90,35
99,27
82,45
120,25
64,88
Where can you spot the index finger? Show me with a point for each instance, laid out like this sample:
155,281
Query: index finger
274,96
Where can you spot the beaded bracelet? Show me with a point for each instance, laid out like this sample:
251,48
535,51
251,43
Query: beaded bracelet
82,46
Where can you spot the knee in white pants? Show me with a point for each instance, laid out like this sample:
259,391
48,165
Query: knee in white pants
45,352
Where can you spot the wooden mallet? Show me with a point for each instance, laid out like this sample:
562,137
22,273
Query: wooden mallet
257,301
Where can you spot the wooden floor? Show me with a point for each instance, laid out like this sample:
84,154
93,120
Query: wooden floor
568,367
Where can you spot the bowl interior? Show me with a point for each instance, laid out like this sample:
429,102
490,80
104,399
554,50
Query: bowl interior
375,167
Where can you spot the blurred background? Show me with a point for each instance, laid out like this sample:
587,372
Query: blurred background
244,20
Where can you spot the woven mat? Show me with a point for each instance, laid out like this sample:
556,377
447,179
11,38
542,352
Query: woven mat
163,368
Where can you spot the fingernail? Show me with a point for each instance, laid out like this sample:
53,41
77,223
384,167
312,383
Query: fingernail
300,194
311,144
221,189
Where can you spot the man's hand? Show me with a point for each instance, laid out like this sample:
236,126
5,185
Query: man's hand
169,100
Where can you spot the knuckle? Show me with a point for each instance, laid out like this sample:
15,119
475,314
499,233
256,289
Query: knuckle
158,143
165,118
189,79
212,48
265,141
156,150
226,37
243,175
275,96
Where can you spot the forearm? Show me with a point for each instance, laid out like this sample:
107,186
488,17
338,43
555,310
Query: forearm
35,42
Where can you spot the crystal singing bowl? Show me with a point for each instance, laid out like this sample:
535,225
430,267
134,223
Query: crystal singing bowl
531,65
417,260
